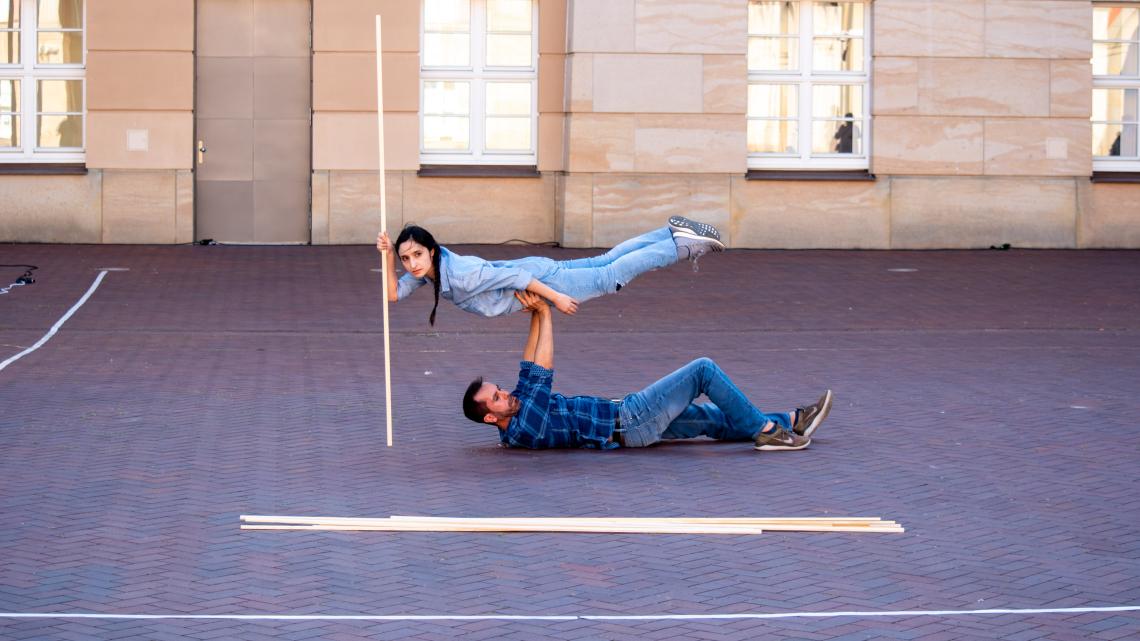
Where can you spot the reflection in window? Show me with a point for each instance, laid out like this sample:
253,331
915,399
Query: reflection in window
808,78
773,43
772,119
59,110
9,32
447,33
508,116
59,38
42,110
1116,85
842,24
1114,118
446,115
509,33
479,90
836,112
9,113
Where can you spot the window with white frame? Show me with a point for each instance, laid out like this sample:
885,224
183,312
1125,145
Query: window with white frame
1116,87
42,61
479,82
808,84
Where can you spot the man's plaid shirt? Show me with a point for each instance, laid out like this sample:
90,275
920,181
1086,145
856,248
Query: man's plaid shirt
547,420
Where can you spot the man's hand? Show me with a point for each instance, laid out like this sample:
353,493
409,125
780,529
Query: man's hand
540,342
532,302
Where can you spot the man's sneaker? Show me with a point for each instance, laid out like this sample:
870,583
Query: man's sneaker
780,439
694,248
687,228
808,418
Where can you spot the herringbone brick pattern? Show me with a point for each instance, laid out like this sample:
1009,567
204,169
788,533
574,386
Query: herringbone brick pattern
988,401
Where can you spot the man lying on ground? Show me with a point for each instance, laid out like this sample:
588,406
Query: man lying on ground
533,416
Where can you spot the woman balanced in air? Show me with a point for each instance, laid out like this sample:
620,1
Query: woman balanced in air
487,287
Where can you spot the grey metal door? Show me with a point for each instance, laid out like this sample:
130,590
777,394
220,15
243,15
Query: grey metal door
253,120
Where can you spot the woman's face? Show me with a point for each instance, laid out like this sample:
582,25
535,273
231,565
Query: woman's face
416,259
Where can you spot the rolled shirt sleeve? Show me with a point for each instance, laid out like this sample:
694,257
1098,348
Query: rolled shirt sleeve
535,383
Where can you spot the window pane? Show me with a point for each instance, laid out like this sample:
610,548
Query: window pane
509,15
838,54
10,48
447,50
447,15
60,131
837,101
446,133
837,137
773,54
9,95
838,18
508,134
10,14
60,14
508,98
59,96
1115,23
1115,105
770,18
446,97
508,51
9,131
772,137
1114,59
772,101
60,47
1114,140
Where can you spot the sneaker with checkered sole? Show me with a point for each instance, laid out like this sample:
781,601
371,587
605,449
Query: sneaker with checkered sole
688,228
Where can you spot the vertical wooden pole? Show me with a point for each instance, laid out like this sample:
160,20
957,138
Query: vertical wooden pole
383,228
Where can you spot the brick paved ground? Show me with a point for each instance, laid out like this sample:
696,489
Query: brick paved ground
988,401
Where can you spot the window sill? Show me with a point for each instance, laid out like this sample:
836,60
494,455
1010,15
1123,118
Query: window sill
43,169
1121,177
817,175
479,171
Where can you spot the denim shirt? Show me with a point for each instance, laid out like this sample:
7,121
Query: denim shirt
547,420
475,285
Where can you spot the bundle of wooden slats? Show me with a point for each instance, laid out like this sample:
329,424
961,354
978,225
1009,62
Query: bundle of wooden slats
604,525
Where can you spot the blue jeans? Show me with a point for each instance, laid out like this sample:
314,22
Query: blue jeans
586,278
665,410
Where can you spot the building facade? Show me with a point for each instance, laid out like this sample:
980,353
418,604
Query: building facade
879,124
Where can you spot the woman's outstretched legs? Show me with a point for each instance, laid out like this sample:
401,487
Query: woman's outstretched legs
631,245
584,283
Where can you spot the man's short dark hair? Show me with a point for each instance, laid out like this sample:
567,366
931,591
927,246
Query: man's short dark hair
472,408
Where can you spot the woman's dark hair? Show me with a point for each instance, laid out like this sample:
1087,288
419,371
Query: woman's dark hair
423,237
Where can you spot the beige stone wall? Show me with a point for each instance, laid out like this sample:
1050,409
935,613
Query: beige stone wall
140,86
345,188
655,102
980,133
980,136
52,209
981,120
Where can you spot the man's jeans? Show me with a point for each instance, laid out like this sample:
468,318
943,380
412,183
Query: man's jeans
586,278
665,410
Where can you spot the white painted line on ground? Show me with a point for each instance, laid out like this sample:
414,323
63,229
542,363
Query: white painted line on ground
901,614
58,324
